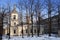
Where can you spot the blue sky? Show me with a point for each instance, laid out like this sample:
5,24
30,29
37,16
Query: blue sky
12,2
3,2
7,1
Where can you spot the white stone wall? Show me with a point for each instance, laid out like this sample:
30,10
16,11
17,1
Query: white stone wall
5,31
14,21
19,28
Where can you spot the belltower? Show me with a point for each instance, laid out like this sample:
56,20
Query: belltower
14,21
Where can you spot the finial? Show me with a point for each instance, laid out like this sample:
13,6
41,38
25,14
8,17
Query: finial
14,6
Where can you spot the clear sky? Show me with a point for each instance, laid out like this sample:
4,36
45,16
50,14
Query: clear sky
3,2
15,1
12,2
7,1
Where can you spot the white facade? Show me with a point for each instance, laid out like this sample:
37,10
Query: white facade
17,30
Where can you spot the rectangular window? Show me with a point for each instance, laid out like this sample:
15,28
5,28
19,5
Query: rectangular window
31,31
26,31
14,31
35,31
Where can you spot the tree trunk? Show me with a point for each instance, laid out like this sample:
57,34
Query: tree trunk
1,26
32,23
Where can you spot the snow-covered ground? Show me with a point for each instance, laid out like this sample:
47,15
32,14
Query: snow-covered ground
42,37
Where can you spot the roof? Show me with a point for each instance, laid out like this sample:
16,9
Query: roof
14,9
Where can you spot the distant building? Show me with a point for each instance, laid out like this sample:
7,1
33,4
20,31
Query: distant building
54,25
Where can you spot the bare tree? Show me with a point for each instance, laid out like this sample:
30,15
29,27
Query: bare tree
49,15
38,8
1,24
2,12
31,2
20,7
9,11
58,17
27,17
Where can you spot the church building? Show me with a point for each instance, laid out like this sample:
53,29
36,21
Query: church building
16,29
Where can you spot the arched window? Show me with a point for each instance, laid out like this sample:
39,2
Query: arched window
14,24
14,17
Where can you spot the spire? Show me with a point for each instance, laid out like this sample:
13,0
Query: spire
14,8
